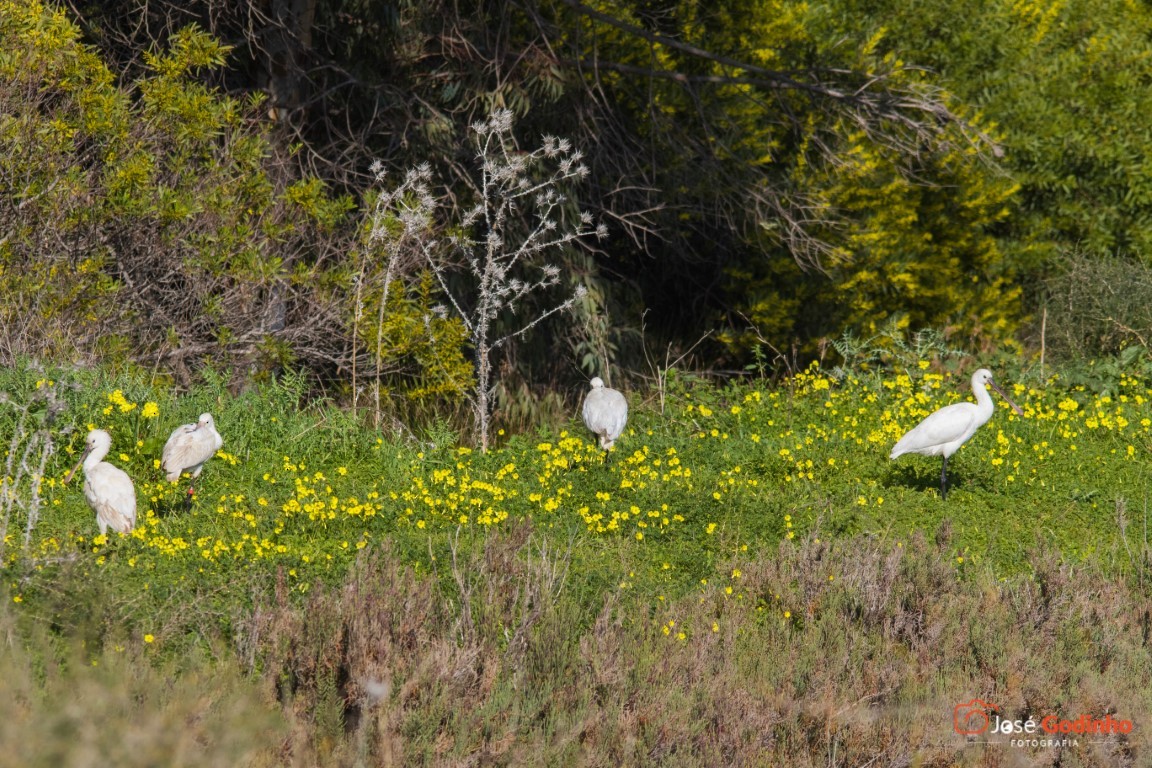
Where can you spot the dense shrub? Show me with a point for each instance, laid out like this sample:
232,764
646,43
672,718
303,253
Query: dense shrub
155,222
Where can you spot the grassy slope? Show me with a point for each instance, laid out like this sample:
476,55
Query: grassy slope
746,579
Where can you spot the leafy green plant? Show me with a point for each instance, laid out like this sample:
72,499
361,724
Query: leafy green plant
148,218
891,348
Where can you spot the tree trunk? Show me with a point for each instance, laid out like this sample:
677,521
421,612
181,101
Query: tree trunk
286,43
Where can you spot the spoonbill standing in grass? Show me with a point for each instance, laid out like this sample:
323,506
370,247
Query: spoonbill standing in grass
943,432
108,489
189,447
605,413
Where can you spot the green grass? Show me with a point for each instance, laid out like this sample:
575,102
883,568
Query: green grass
746,578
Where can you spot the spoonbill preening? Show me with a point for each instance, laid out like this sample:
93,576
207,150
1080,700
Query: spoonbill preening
605,413
189,447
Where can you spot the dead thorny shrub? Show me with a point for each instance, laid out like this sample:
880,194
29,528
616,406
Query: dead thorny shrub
1059,641
29,431
390,642
1096,305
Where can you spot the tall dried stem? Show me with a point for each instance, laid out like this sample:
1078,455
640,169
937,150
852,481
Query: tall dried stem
515,188
498,245
401,227
31,445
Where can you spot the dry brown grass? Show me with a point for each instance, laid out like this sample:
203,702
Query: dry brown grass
392,670
122,706
501,658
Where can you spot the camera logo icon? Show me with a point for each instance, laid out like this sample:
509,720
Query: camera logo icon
971,717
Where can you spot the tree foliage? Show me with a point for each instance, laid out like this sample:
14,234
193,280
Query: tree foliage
1067,84
817,182
713,131
782,170
155,221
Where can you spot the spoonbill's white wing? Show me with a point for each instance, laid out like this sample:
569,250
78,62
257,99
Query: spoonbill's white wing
939,431
110,493
187,450
605,414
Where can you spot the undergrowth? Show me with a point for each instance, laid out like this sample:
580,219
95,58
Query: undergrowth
747,579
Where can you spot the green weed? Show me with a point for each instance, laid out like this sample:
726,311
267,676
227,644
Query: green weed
746,578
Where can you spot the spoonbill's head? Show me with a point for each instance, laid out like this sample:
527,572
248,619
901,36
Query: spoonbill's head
597,383
98,438
984,376
98,442
205,420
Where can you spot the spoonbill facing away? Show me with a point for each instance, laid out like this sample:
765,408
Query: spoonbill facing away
943,432
188,448
605,412
108,489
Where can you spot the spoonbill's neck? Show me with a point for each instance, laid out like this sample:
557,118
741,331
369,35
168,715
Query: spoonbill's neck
96,456
983,399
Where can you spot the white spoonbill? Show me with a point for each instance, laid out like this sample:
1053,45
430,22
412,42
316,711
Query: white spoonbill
605,413
189,447
943,432
108,489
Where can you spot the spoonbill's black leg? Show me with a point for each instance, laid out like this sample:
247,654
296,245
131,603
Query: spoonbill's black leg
944,480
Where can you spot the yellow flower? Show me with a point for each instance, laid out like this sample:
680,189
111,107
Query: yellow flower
151,410
149,638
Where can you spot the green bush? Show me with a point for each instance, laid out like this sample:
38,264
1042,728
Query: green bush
154,221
